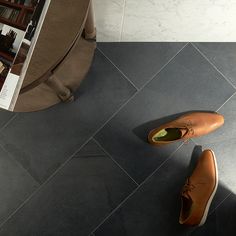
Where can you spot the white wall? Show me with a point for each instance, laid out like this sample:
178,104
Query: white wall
165,20
20,35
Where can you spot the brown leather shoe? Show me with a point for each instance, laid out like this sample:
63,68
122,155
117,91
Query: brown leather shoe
185,127
199,191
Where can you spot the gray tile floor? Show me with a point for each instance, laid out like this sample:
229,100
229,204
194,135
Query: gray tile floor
85,168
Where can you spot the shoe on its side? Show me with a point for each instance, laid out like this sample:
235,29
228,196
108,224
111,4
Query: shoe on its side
185,127
199,190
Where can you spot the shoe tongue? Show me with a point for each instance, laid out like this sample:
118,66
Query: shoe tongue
183,131
186,196
186,192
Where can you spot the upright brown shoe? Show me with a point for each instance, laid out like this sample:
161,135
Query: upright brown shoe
199,190
185,127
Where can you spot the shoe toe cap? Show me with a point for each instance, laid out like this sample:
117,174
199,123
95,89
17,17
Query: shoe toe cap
214,121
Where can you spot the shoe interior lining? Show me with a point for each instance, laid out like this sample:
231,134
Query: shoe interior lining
186,208
169,134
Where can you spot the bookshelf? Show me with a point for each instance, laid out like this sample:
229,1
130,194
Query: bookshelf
16,13
7,56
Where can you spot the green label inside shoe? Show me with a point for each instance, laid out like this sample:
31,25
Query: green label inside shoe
168,134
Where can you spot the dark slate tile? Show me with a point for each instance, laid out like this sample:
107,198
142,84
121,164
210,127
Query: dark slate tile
154,208
187,83
221,222
140,61
15,185
42,141
223,56
76,200
5,116
228,131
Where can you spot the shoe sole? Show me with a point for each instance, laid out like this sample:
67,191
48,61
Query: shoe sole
203,220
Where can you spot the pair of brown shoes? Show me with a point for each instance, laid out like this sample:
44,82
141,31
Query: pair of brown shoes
200,187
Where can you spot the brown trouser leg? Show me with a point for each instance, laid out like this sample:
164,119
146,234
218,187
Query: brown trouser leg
62,92
90,31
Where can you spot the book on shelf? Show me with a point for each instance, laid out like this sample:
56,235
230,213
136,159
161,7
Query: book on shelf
22,2
9,13
20,25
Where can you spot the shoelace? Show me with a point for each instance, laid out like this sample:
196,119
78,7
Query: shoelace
189,187
189,127
190,131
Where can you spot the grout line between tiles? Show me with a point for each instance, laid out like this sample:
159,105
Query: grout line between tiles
151,78
114,114
212,64
8,122
193,141
122,21
226,101
220,203
43,184
135,190
18,164
126,77
214,210
109,155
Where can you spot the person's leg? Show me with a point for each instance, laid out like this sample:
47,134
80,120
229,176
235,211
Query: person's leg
90,30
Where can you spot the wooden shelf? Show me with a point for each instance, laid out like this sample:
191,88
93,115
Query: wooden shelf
7,56
16,5
13,24
23,12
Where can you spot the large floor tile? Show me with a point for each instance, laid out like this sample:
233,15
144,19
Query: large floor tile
76,200
140,61
41,141
221,222
15,185
109,19
186,83
154,208
223,56
5,116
